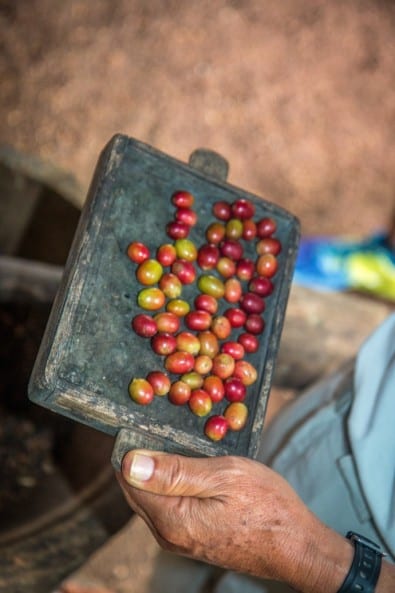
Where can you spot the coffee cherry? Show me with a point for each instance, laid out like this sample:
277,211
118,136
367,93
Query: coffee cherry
166,254
179,363
184,270
188,342
235,390
186,250
151,299
193,378
163,344
206,302
254,324
179,393
236,415
149,272
236,316
232,249
167,322
198,320
261,285
170,285
178,306
249,342
160,382
208,256
215,232
266,265
207,372
200,402
177,230
144,326
266,227
141,391
182,199
233,229
221,327
214,387
268,245
203,364
222,210
233,290
235,349
208,343
245,372
223,365
245,269
137,252
243,209
251,302
186,215
216,428
226,267
249,230
211,285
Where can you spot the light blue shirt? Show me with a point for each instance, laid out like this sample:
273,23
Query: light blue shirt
371,427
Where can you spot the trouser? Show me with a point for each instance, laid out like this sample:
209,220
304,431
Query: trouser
308,444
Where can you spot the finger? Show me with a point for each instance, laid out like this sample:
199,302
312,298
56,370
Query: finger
154,510
176,475
136,500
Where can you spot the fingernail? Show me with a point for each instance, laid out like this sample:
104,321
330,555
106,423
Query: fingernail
142,468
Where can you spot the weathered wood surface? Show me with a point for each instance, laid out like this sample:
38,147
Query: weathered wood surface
20,170
321,331
22,279
36,564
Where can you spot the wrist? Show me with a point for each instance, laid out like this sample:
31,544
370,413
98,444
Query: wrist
326,558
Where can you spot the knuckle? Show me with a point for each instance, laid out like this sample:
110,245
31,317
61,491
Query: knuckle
175,476
236,471
235,467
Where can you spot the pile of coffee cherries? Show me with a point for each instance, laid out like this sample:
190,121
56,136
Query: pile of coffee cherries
204,350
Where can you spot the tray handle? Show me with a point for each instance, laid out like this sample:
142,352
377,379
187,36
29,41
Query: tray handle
210,163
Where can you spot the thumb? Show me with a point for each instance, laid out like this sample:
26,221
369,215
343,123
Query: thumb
175,475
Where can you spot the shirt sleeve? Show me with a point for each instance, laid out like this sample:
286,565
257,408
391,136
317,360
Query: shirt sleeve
371,427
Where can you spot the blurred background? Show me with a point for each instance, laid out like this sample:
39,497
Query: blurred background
298,95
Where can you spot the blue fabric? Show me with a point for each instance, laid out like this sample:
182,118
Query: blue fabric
329,263
371,427
338,452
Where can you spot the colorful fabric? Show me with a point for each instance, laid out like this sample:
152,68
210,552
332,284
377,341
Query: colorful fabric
332,264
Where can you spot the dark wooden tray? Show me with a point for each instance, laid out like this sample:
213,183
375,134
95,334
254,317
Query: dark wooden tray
89,352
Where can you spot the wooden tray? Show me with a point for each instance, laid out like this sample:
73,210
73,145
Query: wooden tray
89,352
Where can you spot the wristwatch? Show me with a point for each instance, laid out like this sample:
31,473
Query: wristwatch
365,568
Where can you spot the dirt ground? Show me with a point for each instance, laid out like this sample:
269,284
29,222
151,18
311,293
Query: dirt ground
298,95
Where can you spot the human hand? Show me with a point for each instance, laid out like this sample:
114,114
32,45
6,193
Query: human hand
235,513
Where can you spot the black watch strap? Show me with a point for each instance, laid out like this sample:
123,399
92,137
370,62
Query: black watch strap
365,567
